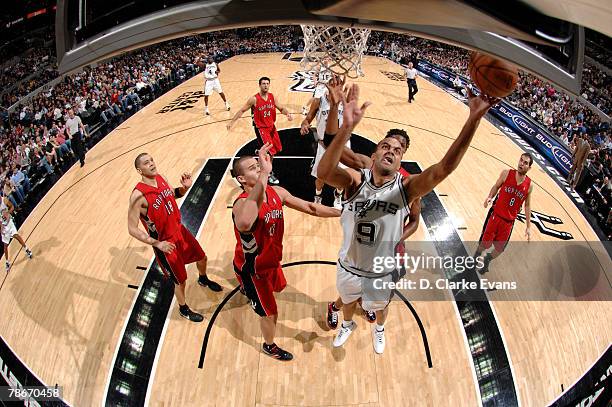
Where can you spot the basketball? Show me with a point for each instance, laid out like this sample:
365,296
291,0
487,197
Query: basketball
492,76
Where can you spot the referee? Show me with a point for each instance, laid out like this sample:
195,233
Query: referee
411,74
76,130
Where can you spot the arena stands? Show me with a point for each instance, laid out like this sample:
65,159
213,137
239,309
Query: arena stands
36,150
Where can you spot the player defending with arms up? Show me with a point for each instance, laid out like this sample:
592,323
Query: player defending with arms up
153,203
375,207
259,226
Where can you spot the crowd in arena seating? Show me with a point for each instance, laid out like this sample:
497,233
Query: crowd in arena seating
597,87
35,144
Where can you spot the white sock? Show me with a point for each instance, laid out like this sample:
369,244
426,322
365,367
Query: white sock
346,324
318,191
380,328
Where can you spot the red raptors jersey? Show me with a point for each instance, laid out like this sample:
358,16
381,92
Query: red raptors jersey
163,220
264,111
262,248
511,197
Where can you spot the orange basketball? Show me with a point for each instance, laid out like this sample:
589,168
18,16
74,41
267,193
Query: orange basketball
492,76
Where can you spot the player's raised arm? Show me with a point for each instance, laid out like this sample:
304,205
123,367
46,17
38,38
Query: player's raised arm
306,207
245,211
249,104
281,108
349,158
419,185
328,170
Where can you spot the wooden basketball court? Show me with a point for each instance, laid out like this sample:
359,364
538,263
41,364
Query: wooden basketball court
64,311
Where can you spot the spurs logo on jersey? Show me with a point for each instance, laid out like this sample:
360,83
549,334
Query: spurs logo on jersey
372,222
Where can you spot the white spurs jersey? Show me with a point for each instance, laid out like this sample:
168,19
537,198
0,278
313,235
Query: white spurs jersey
372,223
323,113
324,75
210,71
3,209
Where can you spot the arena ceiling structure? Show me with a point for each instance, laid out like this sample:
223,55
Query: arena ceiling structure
544,37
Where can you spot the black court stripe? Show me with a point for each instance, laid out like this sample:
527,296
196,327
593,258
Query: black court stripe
486,222
300,263
496,384
213,318
421,327
133,366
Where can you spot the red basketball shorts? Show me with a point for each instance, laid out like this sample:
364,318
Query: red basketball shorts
270,135
187,250
260,289
496,231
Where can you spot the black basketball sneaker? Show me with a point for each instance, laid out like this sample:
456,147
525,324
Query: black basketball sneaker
276,352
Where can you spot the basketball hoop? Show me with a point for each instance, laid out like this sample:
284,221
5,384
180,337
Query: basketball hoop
343,46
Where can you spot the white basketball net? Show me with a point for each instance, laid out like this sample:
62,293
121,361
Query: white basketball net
341,48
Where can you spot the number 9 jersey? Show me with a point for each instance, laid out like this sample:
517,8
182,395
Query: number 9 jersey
372,223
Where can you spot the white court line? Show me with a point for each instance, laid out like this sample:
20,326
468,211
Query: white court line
108,378
163,335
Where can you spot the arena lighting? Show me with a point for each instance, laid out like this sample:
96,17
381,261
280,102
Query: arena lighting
36,13
128,366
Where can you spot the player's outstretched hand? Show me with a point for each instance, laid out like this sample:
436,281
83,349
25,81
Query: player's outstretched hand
186,180
335,86
165,246
265,159
487,202
480,105
353,113
289,116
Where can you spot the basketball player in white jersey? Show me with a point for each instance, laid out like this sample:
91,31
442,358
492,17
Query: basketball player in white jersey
375,207
320,108
211,82
9,231
321,76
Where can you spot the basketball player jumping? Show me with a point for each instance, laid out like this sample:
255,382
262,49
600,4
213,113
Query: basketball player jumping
514,188
211,82
259,226
9,231
153,201
263,109
375,207
320,77
320,107
358,162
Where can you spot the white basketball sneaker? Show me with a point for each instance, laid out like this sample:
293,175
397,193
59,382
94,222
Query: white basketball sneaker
344,333
378,339
337,200
227,106
318,199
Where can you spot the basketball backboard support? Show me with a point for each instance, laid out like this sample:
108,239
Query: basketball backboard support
80,43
